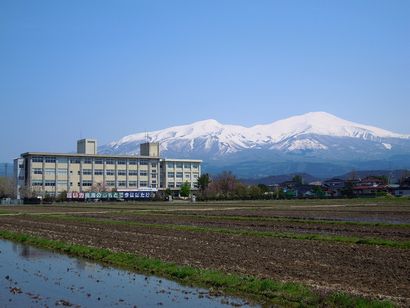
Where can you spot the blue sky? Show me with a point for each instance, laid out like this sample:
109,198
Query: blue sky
105,69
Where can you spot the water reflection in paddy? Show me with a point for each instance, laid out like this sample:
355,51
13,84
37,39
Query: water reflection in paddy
32,277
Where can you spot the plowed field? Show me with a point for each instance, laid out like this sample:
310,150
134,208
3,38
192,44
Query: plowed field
360,248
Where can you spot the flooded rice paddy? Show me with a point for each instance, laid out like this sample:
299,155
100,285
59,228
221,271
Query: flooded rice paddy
32,277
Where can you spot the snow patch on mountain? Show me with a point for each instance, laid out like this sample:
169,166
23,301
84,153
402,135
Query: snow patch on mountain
388,146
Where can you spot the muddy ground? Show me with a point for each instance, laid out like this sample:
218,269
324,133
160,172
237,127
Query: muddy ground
368,270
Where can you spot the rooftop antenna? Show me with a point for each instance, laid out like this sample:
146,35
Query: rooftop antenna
146,136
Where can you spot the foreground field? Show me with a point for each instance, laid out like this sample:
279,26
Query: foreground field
359,247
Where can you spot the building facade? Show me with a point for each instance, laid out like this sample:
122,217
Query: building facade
53,173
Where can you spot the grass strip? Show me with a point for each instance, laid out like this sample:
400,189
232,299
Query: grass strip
266,291
271,218
283,235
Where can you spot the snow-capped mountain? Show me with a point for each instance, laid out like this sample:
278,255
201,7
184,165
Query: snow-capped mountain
314,136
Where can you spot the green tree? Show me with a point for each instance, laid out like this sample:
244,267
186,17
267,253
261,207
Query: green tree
298,179
62,196
185,189
6,187
168,192
203,182
264,188
318,191
255,192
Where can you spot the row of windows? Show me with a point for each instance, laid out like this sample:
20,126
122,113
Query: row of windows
43,159
179,184
120,183
180,175
119,172
46,183
109,161
97,161
130,184
180,165
50,171
87,183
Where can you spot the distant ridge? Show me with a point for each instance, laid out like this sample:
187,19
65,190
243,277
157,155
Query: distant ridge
277,179
394,177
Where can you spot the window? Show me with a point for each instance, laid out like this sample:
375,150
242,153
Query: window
133,162
109,162
37,171
87,183
88,161
171,184
196,175
171,174
62,160
179,184
110,172
98,161
187,166
143,172
143,184
187,176
121,162
122,183
132,183
62,171
153,165
178,165
153,175
50,171
110,183
37,183
62,182
132,172
50,159
87,172
154,181
74,160
36,159
21,166
98,172
195,166
154,185
143,162
179,175
122,172
170,165
50,183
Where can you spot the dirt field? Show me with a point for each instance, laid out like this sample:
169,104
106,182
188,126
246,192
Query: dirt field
232,237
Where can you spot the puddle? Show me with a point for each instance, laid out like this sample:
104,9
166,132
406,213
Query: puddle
34,277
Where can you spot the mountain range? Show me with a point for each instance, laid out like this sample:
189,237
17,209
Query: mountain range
317,143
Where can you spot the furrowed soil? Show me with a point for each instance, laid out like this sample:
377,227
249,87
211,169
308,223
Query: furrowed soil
151,229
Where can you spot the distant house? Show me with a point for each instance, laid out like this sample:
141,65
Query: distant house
294,189
402,192
333,187
404,188
373,181
366,190
370,186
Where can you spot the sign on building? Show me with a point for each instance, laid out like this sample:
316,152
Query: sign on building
110,195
